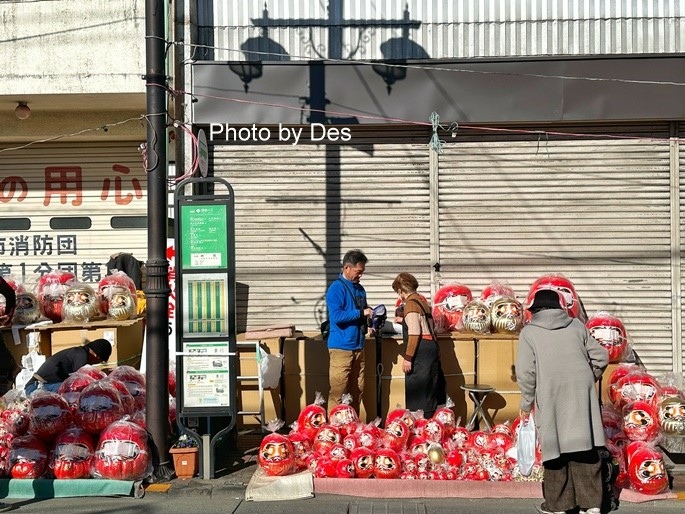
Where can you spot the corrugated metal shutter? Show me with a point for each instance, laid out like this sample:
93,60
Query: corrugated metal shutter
53,185
300,208
679,153
595,209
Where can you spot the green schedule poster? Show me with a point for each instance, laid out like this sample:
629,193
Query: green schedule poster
203,236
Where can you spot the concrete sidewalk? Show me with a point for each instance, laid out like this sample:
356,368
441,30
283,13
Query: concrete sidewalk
234,471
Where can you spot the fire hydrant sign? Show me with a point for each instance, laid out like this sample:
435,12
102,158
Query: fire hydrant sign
206,375
204,236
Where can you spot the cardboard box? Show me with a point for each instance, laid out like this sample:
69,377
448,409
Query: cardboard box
456,356
270,332
502,406
16,339
126,338
496,363
604,384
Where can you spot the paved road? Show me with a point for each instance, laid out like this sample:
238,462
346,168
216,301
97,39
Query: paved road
224,503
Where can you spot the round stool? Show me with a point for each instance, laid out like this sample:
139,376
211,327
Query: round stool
478,393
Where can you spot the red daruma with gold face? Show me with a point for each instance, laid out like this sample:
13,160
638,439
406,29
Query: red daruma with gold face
276,455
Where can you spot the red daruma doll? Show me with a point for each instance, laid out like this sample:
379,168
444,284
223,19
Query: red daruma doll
51,289
312,417
609,331
563,286
646,469
276,453
448,306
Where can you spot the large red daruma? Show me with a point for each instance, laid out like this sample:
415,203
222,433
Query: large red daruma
71,388
72,454
646,469
276,455
638,385
448,306
609,331
122,452
326,437
134,381
28,457
50,415
396,435
51,289
98,406
111,284
561,284
16,420
302,449
621,371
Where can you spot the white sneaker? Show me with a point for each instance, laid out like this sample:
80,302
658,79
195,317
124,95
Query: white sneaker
594,510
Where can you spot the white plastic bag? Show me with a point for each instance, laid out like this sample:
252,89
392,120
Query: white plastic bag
270,365
525,446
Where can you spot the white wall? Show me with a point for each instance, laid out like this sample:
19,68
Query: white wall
72,46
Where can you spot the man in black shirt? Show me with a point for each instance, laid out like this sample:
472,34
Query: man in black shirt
58,367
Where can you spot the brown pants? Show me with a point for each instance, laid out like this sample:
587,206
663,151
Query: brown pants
346,376
573,480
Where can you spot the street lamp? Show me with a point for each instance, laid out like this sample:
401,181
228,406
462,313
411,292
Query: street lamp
391,72
246,71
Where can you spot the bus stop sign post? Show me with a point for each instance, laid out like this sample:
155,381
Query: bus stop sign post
205,303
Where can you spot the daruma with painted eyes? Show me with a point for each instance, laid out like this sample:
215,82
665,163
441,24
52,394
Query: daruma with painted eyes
311,419
672,415
640,421
80,303
609,331
646,470
506,315
276,455
387,464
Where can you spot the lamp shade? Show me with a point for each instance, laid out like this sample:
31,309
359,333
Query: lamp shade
22,111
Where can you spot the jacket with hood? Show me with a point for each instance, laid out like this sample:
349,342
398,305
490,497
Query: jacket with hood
557,365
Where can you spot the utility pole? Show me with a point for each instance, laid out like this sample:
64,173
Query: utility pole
157,289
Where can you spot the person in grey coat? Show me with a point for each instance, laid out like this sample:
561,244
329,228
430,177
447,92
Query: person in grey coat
557,365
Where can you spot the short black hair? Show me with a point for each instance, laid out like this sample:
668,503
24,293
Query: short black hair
354,257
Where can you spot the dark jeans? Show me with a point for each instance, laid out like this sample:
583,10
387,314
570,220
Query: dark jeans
53,388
